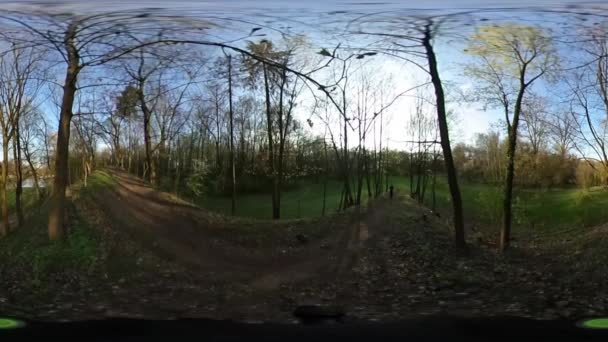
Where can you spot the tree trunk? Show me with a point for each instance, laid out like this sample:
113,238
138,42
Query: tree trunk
326,176
367,176
231,114
6,227
178,167
283,123
275,209
147,115
188,169
380,159
28,157
445,141
48,155
57,203
434,184
218,158
341,200
411,164
505,232
84,169
348,199
18,175
385,170
359,179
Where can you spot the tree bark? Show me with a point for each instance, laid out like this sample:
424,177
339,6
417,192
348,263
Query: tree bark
18,175
231,113
326,176
459,236
276,210
57,203
218,158
348,198
147,115
6,227
505,232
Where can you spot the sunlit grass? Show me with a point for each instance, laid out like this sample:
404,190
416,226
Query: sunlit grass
97,181
304,201
541,210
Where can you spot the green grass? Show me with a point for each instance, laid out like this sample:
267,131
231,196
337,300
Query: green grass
98,181
28,256
305,201
543,211
29,251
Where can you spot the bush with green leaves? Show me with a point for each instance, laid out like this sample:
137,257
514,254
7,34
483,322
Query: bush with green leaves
198,181
489,202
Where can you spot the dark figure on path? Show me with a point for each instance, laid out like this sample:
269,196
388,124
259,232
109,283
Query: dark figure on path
390,191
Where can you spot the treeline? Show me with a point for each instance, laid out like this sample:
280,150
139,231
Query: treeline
484,161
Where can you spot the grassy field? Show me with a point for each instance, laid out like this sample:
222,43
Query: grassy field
541,210
305,201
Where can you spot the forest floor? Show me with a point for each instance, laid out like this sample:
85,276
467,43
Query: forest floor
155,256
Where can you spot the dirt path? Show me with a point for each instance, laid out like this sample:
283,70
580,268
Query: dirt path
184,233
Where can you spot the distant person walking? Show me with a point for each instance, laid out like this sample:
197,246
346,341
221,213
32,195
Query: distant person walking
390,191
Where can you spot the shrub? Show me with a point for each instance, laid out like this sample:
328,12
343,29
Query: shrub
198,182
489,202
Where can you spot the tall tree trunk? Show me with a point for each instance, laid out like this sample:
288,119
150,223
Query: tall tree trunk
434,182
445,141
359,179
178,166
231,114
48,154
218,157
147,115
326,174
505,232
161,166
6,227
348,198
275,208
386,180
367,176
85,169
283,123
190,157
380,159
411,164
18,175
57,204
418,168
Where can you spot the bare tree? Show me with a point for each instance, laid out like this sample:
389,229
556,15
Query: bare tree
31,142
589,104
534,118
17,91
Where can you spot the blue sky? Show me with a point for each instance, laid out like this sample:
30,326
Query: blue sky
321,20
